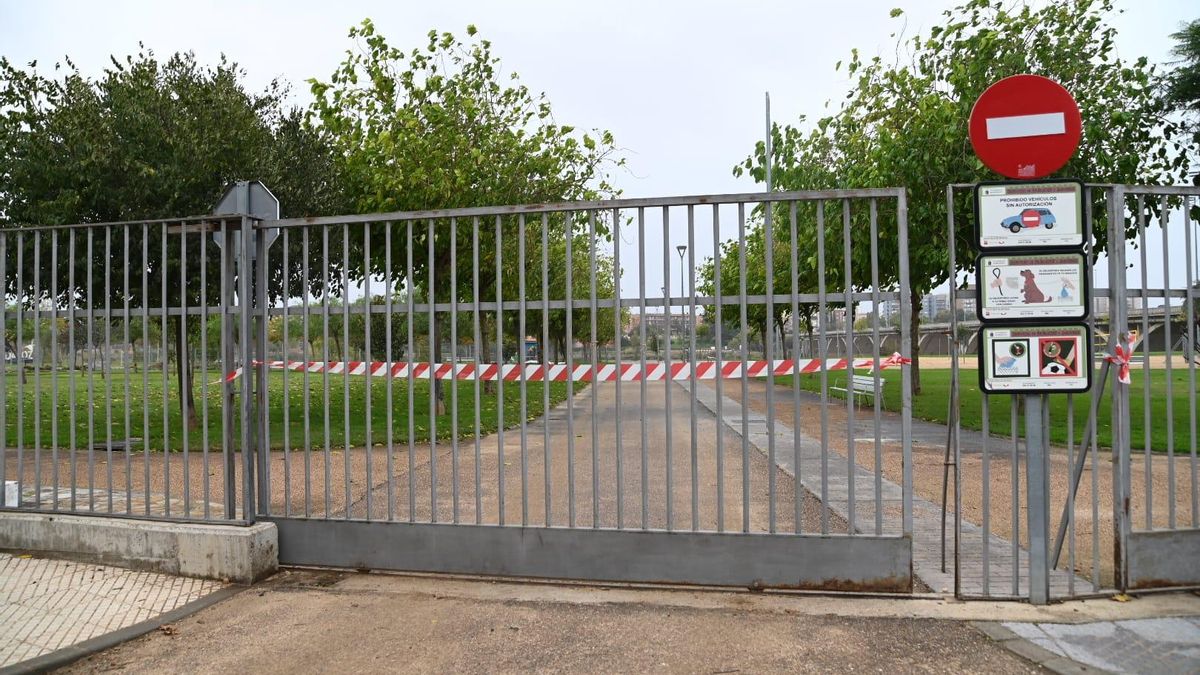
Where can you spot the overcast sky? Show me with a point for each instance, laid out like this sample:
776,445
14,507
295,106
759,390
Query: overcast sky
680,84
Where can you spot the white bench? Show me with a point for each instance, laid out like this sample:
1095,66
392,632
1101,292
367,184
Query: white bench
862,385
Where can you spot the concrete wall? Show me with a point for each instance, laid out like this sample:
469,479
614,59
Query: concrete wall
240,554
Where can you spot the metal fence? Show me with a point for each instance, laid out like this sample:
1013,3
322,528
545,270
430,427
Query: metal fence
516,390
1114,524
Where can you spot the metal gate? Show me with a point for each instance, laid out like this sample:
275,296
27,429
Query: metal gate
599,390
1122,464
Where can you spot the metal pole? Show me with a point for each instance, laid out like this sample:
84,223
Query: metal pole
1037,488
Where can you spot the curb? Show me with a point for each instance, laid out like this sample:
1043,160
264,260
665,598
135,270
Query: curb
70,654
1027,650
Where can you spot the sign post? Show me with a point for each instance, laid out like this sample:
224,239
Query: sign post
1031,270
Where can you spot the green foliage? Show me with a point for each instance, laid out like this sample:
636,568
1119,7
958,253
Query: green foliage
1183,84
904,123
439,127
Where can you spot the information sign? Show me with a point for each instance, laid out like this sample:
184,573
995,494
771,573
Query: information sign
1034,359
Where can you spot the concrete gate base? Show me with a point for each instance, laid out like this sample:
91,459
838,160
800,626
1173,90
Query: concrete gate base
237,553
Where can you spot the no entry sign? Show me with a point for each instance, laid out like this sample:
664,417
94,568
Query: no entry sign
1025,126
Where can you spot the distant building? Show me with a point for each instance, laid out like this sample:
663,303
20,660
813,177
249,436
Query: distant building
933,305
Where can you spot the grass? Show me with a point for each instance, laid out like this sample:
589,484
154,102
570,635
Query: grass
931,405
147,404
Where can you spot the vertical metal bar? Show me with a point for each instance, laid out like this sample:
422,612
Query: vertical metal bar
569,233
305,308
434,385
146,373
616,224
546,366
524,356
1015,481
166,416
1147,425
1164,210
1119,325
389,290
287,392
477,344
693,434
368,444
768,344
823,350
878,412
1095,401
54,373
1038,498
595,361
327,427
797,483
36,357
1192,357
129,401
182,357
19,356
986,471
669,309
1070,495
71,370
245,307
203,359
262,394
108,416
410,287
955,403
642,355
906,347
851,444
500,369
719,348
745,375
454,369
347,449
91,435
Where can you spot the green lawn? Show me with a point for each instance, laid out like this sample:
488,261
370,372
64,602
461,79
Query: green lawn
138,406
935,393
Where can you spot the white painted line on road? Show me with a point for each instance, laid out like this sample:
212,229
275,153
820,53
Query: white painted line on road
1022,126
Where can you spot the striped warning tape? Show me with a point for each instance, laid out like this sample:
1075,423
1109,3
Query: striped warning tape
559,372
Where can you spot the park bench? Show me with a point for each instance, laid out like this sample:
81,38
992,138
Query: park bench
861,385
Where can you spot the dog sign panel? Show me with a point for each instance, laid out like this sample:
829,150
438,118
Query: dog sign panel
1029,215
1034,359
1032,287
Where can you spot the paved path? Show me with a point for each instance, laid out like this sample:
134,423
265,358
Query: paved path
370,623
46,605
1162,646
817,467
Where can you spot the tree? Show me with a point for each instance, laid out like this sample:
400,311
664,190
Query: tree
148,139
1183,84
435,128
904,123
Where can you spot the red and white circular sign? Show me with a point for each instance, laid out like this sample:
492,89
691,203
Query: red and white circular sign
1025,126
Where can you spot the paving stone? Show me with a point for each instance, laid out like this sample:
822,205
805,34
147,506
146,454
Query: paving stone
46,605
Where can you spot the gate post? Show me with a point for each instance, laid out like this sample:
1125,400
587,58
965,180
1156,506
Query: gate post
1037,490
228,365
1118,326
246,313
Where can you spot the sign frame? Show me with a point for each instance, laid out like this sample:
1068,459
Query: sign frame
1081,217
1085,363
1084,289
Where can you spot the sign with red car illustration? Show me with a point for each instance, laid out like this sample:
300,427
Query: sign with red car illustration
1030,214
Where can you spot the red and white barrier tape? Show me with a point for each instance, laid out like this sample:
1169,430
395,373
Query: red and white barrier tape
559,372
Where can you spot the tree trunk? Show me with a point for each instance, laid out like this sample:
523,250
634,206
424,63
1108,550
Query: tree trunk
915,337
435,384
183,372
